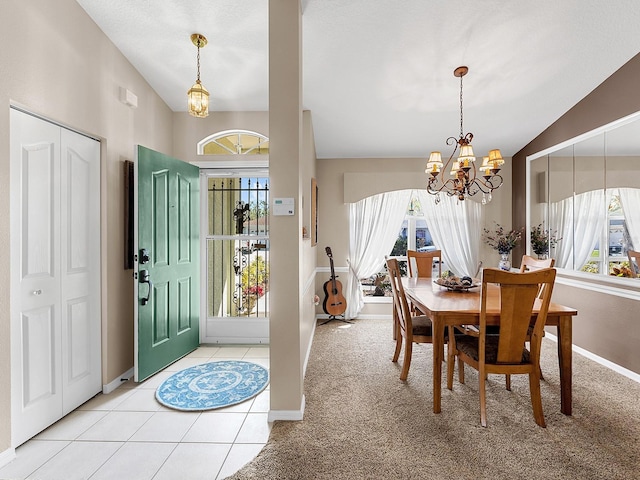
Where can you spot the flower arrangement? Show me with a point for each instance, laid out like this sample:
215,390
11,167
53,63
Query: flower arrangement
501,240
257,290
621,271
542,239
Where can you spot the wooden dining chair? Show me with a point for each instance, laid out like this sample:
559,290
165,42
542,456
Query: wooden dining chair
634,262
421,263
529,264
408,328
506,352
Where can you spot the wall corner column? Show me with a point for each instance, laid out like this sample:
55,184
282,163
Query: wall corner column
285,152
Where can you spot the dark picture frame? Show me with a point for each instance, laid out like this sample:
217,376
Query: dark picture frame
128,214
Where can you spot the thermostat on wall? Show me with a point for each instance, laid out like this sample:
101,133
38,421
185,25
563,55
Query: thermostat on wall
283,206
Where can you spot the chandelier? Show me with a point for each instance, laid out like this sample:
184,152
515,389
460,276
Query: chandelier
465,181
198,96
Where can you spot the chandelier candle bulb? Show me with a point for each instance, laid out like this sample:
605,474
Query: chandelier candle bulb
434,164
485,168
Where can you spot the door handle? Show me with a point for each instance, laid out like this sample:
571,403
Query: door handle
145,278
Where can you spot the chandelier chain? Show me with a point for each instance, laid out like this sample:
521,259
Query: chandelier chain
461,128
198,62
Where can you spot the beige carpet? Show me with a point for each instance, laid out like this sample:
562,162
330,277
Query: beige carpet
362,422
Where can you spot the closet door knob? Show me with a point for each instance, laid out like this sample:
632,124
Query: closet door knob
37,292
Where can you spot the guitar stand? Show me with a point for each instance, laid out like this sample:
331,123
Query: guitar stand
337,318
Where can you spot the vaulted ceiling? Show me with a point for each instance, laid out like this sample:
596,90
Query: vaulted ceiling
378,74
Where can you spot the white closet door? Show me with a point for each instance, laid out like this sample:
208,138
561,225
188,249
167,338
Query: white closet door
80,268
53,347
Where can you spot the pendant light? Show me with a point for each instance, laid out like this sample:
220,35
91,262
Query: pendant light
198,96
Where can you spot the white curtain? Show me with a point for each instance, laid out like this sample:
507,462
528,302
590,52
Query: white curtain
561,221
579,220
630,201
455,227
374,224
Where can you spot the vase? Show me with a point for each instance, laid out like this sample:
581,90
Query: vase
543,256
504,263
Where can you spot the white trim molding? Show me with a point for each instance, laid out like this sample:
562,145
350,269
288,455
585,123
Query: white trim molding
7,456
372,299
602,361
365,316
111,386
287,415
328,269
620,287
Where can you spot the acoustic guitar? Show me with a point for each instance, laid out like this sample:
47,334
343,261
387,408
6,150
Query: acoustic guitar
334,302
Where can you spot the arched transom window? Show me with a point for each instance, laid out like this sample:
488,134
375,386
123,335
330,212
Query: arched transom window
234,142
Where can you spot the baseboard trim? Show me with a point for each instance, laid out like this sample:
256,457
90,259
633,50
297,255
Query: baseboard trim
111,386
368,316
602,361
287,415
308,352
324,316
7,456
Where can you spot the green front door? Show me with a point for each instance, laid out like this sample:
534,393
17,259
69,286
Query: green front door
168,256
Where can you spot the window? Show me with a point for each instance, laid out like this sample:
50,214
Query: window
413,235
234,142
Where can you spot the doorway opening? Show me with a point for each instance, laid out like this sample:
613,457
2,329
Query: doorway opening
235,238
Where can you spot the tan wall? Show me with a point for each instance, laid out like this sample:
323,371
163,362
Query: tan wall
599,315
341,180
605,326
286,160
56,62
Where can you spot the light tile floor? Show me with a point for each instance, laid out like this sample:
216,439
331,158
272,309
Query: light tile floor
128,435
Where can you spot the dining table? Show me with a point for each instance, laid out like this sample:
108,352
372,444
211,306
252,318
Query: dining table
446,307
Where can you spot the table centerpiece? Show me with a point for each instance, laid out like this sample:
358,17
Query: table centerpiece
503,241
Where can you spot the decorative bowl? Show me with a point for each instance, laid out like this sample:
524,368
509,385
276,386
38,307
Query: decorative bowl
455,286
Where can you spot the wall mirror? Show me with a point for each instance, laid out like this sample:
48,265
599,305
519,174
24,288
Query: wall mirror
585,193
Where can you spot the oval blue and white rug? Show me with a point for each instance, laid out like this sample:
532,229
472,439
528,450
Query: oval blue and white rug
213,385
